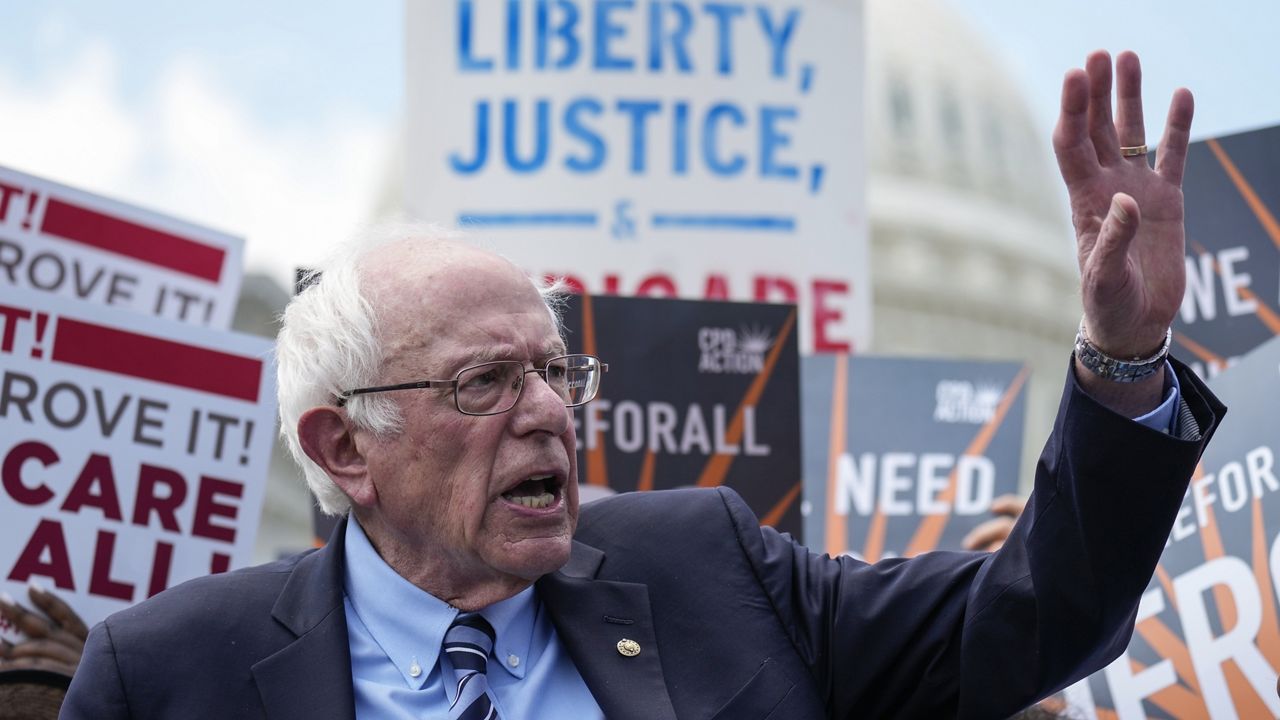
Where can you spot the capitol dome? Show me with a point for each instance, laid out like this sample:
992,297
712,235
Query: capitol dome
972,251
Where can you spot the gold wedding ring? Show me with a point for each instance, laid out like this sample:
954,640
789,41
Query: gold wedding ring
1133,150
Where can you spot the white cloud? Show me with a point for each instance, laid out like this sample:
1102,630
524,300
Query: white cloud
190,148
72,127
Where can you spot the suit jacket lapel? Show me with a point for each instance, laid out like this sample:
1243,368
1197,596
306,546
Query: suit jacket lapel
592,616
311,676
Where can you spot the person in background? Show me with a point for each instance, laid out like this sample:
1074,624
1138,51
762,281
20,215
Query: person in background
36,671
990,535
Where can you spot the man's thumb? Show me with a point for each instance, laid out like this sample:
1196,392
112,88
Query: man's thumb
1118,230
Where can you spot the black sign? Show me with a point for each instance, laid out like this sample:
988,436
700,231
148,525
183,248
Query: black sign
903,456
1232,302
697,394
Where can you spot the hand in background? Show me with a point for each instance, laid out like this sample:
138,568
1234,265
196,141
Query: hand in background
990,535
55,634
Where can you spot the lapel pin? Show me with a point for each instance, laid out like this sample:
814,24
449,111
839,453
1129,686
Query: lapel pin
628,647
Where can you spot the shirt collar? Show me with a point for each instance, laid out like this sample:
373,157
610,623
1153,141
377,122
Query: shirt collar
512,621
409,623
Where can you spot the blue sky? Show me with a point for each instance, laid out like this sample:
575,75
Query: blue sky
276,120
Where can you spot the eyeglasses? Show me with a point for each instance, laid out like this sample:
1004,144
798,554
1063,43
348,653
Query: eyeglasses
494,387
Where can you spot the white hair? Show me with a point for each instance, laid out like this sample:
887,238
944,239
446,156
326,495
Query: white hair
328,343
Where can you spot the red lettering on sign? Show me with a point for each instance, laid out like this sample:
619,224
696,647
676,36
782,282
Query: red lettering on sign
775,289
208,507
571,283
100,582
150,479
96,471
160,568
717,288
11,472
657,286
11,317
219,563
823,315
46,538
7,193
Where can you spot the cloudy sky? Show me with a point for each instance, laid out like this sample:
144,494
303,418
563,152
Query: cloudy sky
275,120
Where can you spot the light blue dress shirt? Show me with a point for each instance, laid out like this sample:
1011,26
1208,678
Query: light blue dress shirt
1163,417
395,631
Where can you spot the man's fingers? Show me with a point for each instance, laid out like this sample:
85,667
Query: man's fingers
59,611
1076,158
1102,129
990,535
1172,157
1129,122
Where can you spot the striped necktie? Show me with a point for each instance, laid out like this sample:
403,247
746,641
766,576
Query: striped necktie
467,644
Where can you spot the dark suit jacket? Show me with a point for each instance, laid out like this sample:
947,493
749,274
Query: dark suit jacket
734,621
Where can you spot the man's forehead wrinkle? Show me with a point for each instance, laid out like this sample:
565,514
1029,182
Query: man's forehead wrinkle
442,306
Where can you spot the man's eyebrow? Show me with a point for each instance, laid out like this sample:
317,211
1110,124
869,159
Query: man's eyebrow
489,353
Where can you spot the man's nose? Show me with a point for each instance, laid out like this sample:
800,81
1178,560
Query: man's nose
540,408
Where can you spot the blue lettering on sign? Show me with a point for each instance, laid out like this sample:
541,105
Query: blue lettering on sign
606,31
564,31
574,127
676,38
680,139
710,141
535,133
556,35
513,34
639,110
721,137
481,154
466,20
541,137
724,14
778,37
771,138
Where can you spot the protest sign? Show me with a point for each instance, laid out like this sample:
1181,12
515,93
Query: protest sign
1232,300
903,456
698,394
134,450
652,148
1207,641
69,243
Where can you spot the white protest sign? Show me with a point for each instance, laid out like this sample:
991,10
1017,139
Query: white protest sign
665,149
133,451
66,242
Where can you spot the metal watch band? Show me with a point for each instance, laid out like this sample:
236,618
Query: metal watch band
1124,371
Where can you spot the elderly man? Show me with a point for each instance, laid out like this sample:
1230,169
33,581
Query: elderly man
425,386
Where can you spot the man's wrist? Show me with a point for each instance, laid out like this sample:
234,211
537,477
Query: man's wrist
1119,369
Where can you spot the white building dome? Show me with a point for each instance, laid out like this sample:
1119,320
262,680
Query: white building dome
972,252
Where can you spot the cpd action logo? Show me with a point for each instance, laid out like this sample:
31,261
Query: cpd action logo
737,352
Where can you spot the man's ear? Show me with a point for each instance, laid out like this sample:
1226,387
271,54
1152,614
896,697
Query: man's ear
328,438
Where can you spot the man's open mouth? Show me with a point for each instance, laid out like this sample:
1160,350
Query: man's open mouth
537,492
